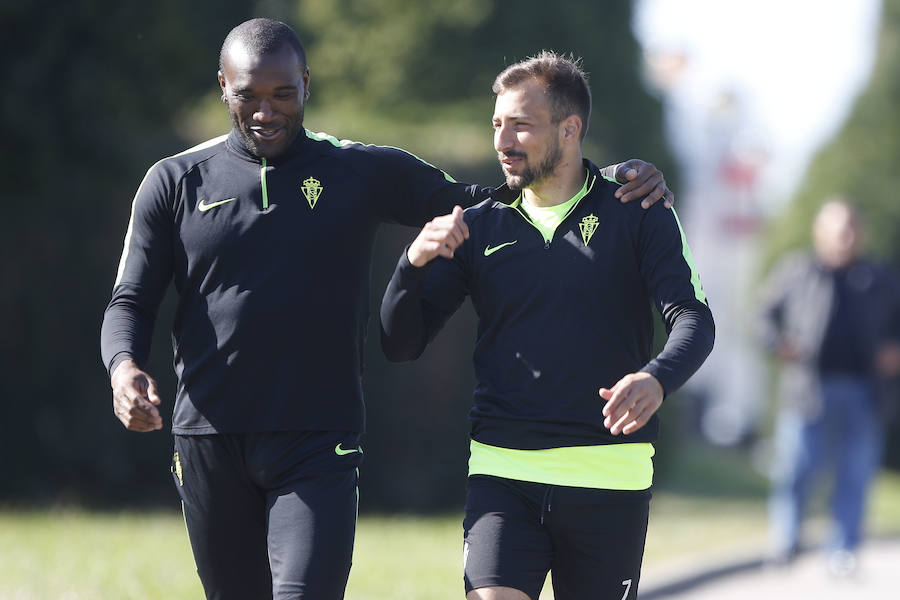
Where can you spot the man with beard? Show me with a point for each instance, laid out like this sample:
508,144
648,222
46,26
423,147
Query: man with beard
562,276
267,233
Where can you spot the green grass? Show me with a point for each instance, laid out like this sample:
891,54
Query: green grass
78,555
75,555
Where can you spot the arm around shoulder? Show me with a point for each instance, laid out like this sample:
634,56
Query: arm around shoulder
640,181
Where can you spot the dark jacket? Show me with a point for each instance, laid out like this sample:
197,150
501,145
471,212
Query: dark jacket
796,303
270,261
558,320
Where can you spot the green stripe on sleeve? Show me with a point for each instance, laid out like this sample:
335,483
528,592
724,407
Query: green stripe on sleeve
689,259
324,137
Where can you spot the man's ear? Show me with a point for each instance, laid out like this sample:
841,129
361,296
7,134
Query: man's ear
571,126
221,83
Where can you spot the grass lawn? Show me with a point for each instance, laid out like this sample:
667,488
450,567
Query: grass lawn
77,555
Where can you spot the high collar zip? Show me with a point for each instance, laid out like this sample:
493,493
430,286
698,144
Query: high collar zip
514,200
236,146
503,194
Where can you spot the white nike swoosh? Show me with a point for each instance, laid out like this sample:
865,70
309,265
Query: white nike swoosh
204,206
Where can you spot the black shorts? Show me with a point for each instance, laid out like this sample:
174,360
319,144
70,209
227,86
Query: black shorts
270,515
591,540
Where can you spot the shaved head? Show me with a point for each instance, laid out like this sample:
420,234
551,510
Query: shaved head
265,84
260,37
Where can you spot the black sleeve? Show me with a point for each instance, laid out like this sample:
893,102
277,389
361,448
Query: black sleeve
418,302
145,270
409,191
671,276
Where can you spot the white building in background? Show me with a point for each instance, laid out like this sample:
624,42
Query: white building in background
751,89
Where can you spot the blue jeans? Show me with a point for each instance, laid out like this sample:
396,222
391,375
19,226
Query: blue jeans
846,438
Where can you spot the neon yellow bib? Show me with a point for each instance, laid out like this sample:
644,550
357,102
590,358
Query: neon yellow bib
611,467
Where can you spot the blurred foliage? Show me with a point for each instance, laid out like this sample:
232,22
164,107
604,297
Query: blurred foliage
860,163
97,91
419,75
93,90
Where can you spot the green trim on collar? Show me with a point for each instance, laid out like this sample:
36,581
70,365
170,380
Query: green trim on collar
546,219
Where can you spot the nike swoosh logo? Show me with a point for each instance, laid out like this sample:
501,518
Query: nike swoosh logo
341,452
203,206
488,250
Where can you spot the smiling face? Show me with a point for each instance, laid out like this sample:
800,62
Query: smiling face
265,96
526,139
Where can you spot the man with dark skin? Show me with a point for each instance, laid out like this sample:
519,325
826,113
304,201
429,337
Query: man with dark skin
267,234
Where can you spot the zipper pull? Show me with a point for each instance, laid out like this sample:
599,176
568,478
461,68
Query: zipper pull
546,244
265,191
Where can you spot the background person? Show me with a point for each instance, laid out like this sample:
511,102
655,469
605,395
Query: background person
832,319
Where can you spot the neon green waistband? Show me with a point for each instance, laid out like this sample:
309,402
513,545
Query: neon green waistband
611,467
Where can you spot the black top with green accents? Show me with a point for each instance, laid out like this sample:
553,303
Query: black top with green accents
558,320
271,261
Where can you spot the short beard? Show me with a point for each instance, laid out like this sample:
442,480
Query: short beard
539,173
295,126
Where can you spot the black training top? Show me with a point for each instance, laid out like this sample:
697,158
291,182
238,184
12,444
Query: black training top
271,263
558,320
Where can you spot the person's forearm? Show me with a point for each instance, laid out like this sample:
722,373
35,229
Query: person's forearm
126,331
689,343
403,331
767,331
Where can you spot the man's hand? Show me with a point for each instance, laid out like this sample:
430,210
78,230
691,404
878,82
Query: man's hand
887,360
631,402
787,351
440,237
641,179
135,398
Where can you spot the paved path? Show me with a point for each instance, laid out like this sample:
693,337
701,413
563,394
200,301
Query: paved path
878,578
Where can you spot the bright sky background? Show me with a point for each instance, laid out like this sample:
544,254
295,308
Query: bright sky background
798,65
794,67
